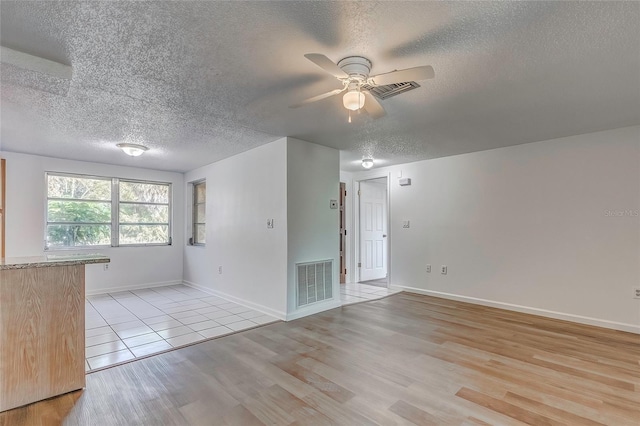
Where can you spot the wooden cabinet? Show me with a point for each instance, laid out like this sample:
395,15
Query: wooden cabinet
41,328
42,333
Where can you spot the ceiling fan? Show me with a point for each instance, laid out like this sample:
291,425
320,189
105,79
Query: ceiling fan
353,73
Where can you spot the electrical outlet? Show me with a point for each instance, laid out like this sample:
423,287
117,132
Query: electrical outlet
636,292
105,266
429,268
220,270
443,269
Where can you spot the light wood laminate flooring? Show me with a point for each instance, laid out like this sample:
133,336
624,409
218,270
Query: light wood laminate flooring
405,359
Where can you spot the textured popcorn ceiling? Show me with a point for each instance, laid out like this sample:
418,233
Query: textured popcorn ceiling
201,81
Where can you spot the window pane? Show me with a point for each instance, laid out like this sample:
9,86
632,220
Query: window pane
201,192
144,234
143,213
200,234
78,211
78,235
144,192
78,187
200,213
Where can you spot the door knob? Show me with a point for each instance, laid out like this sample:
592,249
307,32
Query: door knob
384,235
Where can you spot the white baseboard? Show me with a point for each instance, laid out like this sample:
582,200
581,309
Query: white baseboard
526,309
242,302
92,292
314,309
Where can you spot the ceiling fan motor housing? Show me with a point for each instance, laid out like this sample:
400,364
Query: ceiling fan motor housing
357,67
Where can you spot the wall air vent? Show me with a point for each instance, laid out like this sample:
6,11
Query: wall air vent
390,90
314,282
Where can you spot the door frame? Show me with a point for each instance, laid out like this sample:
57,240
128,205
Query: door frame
3,205
344,260
362,176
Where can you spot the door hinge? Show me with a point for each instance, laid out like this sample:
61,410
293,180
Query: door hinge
358,192
359,264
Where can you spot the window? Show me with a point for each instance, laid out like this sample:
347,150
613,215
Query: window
86,211
199,212
143,211
78,211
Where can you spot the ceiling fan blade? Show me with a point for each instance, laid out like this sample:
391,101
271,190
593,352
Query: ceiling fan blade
318,98
410,74
372,106
326,64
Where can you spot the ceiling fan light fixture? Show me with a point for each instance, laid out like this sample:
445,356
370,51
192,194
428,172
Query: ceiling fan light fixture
367,163
353,100
132,149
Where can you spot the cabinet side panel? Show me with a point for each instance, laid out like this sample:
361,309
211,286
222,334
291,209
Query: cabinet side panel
41,333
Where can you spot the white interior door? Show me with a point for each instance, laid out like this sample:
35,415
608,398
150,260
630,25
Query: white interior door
373,230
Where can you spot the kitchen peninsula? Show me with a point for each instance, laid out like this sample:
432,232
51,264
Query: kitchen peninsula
42,333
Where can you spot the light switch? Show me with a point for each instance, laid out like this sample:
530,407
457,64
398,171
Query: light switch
270,223
405,224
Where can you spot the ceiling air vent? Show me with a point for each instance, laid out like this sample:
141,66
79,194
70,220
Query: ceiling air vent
390,90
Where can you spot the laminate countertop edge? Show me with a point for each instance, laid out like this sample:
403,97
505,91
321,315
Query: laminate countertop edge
50,261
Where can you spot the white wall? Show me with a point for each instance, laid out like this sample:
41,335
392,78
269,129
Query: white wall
526,227
130,267
288,180
313,179
244,191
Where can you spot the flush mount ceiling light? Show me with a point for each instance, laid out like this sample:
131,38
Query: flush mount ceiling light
132,149
367,163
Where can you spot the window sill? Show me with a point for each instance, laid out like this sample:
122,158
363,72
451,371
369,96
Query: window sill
64,249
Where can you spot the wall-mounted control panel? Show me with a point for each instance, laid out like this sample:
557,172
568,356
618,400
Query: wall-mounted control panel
404,181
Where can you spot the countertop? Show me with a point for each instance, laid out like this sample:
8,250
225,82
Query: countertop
51,260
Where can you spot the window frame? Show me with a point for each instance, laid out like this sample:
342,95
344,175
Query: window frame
115,211
194,212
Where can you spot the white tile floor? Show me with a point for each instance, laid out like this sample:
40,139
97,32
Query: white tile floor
126,325
357,292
